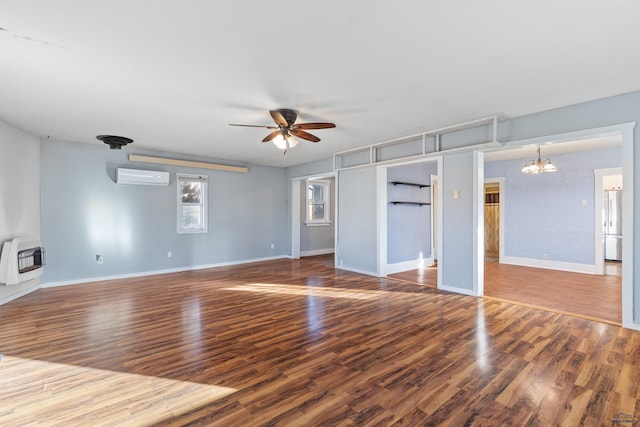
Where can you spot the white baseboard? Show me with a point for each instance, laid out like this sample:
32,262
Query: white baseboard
357,270
315,252
154,272
19,294
462,291
408,265
551,265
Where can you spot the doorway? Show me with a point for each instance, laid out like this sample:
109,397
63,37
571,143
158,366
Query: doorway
608,224
491,220
314,213
565,278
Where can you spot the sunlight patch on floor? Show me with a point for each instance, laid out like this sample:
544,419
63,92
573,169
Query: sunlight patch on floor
363,294
43,393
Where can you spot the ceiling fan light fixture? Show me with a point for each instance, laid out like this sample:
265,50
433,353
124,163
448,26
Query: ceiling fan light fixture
280,142
292,141
283,134
284,141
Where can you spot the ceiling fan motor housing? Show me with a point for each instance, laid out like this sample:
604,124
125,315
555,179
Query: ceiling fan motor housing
289,115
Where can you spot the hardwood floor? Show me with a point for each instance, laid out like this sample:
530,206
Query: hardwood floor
297,343
586,295
427,276
589,296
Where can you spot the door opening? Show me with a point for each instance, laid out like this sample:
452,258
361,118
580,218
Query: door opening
492,220
313,216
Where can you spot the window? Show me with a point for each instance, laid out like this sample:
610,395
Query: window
317,202
192,203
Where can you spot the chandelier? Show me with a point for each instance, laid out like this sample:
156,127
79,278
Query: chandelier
538,165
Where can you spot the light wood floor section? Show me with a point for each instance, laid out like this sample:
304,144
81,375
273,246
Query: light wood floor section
297,343
589,296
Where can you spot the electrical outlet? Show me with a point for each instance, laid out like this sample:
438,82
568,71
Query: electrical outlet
545,257
169,254
273,246
99,259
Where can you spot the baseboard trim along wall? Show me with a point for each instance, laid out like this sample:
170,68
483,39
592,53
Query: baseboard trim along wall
357,270
154,272
19,293
548,264
399,267
315,252
462,291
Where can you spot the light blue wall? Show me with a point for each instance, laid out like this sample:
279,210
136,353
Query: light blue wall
311,168
85,213
357,220
544,213
457,221
409,226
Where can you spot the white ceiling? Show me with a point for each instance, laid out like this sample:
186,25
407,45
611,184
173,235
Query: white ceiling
172,74
549,150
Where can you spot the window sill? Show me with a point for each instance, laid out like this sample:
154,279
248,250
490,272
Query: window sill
318,224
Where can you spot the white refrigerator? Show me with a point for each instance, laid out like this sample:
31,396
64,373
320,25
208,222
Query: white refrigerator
613,225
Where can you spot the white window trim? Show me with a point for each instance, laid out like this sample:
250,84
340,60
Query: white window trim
204,202
327,203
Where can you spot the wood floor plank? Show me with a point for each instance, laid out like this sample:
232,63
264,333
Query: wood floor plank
296,342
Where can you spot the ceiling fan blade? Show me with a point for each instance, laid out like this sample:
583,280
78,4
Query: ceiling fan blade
304,135
313,126
279,118
253,126
271,136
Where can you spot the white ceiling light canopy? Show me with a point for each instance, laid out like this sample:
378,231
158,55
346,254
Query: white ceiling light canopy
538,165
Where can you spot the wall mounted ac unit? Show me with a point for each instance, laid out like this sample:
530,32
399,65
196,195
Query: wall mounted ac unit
141,177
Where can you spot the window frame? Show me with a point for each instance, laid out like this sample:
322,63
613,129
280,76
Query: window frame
204,203
326,183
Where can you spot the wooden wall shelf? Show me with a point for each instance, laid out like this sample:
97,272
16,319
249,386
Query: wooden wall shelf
413,184
410,203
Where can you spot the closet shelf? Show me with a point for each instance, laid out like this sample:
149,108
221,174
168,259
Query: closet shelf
413,184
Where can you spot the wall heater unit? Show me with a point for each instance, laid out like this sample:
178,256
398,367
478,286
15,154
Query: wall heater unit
141,177
22,259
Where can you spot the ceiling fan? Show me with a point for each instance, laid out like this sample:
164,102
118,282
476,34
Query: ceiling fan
286,129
